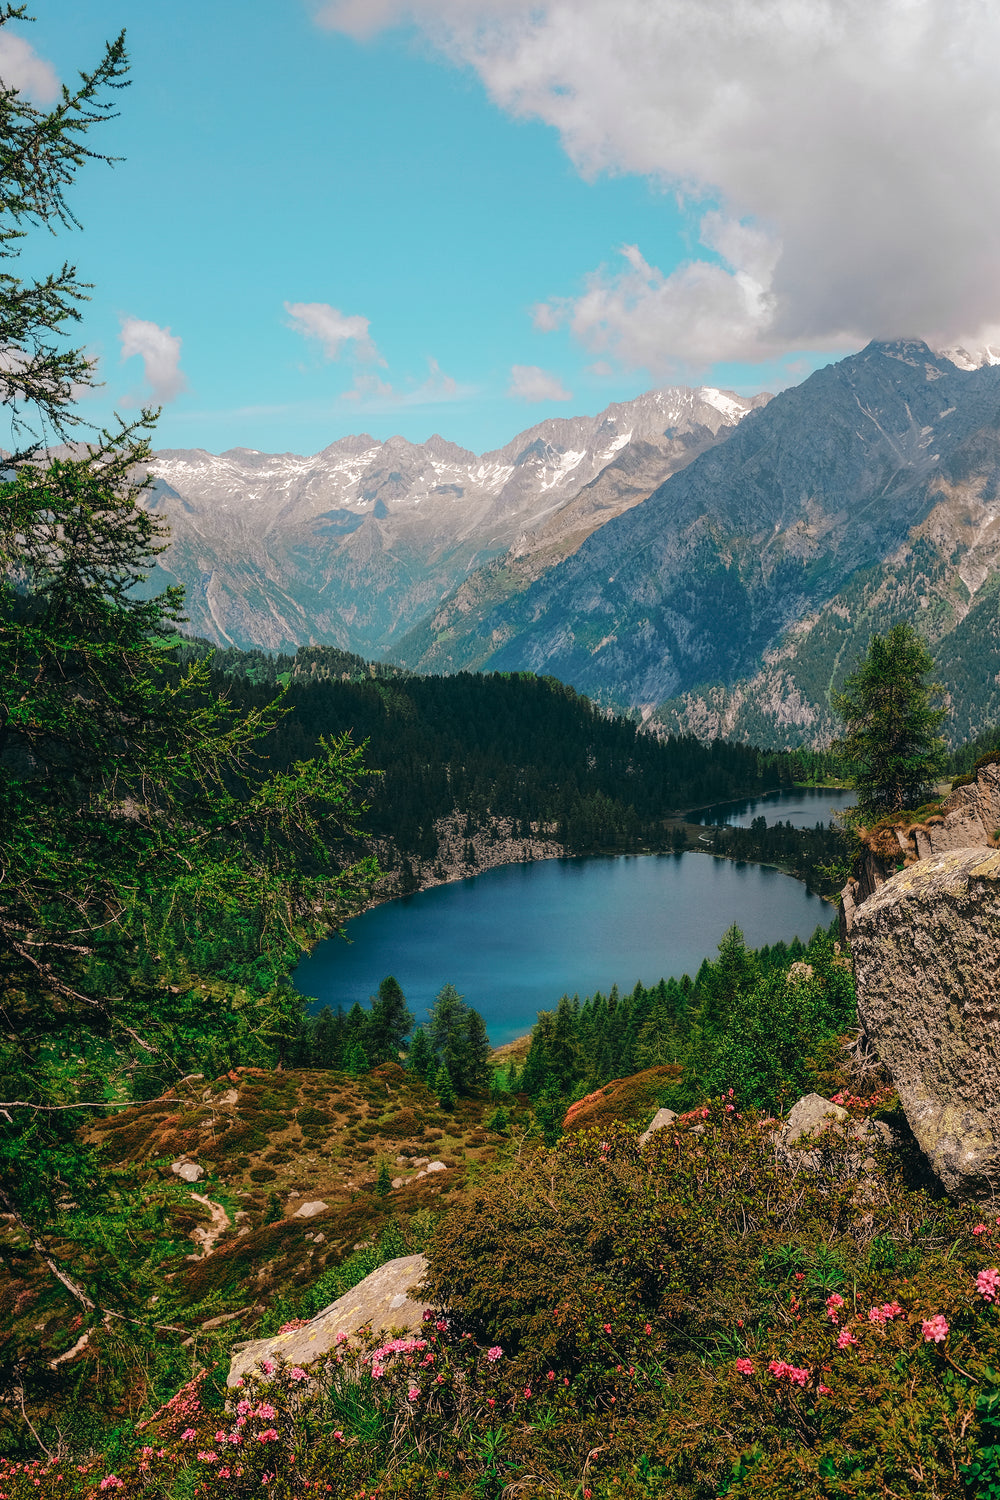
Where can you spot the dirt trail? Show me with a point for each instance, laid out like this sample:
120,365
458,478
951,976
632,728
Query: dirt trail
208,1237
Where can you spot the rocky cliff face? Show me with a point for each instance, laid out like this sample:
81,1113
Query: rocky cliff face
926,950
731,599
355,545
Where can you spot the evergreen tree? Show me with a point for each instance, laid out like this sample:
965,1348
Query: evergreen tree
891,746
421,1056
383,1183
444,1088
357,1062
389,1022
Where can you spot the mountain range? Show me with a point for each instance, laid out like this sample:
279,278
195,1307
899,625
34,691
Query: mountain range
710,563
354,546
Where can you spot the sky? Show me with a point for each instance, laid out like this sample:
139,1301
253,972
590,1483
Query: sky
463,216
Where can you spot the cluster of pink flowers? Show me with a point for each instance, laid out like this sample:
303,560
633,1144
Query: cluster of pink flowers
494,1354
885,1313
988,1284
845,1339
935,1330
781,1370
833,1305
745,1366
380,1355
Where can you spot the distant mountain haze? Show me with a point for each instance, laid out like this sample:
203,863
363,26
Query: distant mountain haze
356,545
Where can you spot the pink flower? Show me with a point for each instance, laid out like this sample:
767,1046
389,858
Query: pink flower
648,1328
551,1375
845,1339
188,1434
935,1329
494,1354
744,1366
267,1436
980,1229
297,1374
266,1411
412,1393
780,1369
607,1328
988,1284
268,1366
833,1305
209,1458
441,1327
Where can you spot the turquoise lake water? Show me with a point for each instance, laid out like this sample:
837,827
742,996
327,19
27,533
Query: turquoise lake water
803,808
514,939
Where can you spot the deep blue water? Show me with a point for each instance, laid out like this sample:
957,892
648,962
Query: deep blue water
514,939
803,807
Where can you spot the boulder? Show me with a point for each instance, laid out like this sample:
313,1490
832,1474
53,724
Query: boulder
381,1302
660,1121
809,1117
926,952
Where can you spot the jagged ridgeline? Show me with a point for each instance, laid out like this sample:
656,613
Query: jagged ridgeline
498,745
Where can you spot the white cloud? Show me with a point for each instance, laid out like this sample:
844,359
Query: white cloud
531,383
160,352
849,148
437,388
21,68
333,329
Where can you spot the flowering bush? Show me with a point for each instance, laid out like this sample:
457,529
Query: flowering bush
693,1318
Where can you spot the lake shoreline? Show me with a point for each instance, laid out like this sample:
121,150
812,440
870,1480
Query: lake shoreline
497,846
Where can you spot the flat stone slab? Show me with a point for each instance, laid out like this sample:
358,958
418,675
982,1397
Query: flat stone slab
382,1302
311,1209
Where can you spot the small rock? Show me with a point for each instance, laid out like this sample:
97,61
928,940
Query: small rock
228,1099
311,1209
319,1239
421,1161
436,1166
397,1182
660,1121
295,1193
187,1171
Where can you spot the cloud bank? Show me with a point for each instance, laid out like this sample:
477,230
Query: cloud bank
375,395
841,158
531,383
160,352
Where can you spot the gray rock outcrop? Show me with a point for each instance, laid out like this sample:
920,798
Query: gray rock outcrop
926,950
969,818
660,1121
381,1302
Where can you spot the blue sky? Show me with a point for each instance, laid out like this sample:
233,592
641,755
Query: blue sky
351,227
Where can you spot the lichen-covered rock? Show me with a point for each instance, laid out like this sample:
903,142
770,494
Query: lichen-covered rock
927,967
381,1302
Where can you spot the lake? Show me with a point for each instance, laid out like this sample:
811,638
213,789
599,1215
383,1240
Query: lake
803,807
514,939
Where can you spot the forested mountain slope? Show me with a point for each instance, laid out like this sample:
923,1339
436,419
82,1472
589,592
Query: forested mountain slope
735,596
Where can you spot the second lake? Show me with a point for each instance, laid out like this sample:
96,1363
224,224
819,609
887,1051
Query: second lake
513,940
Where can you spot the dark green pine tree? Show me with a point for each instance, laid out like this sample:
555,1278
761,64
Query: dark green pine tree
389,1023
444,1088
357,1062
891,746
421,1056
